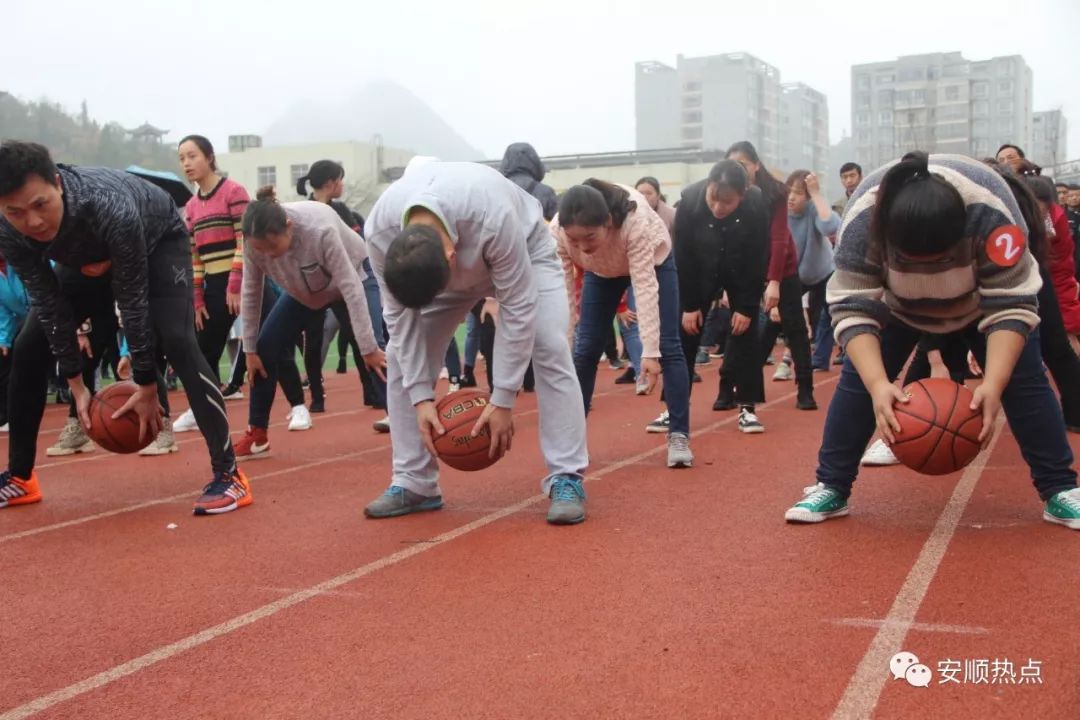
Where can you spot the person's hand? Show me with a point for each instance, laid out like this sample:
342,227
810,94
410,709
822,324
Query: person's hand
144,403
123,368
201,315
627,318
774,315
376,363
84,345
650,371
885,395
255,366
500,424
692,321
813,186
4,350
427,419
973,365
772,295
490,310
988,398
739,323
232,301
81,396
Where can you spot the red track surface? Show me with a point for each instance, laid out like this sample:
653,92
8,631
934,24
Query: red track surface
683,596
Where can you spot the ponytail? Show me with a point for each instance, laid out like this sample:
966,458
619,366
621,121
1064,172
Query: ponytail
918,212
265,215
301,186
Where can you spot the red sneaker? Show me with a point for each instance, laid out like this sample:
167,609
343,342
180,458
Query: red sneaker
253,446
15,491
225,494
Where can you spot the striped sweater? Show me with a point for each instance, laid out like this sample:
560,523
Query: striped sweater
990,276
217,242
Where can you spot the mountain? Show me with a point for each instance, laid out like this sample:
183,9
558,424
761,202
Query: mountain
382,108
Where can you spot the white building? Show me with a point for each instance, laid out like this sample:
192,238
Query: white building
939,102
1048,138
804,130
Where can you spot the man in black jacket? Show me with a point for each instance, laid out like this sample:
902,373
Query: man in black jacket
722,245
119,239
521,165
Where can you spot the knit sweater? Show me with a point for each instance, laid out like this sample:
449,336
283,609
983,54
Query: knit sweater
217,241
989,276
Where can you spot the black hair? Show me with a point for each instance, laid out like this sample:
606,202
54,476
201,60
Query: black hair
20,160
775,192
650,180
918,212
1029,208
1074,186
730,174
264,215
593,202
205,147
320,173
849,166
416,269
1061,185
1042,188
1014,147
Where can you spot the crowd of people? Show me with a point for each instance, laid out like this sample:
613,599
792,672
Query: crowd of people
942,264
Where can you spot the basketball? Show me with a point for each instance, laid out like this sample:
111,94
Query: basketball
458,412
939,431
120,435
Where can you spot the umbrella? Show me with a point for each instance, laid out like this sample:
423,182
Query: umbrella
167,181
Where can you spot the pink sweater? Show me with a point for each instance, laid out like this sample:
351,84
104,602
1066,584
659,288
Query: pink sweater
633,250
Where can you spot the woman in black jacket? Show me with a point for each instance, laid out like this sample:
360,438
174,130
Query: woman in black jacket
722,246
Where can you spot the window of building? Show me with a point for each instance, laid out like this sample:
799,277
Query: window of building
267,175
692,117
691,101
885,117
862,118
912,73
296,172
886,79
918,97
1005,127
862,82
980,89
1005,107
1005,86
692,86
952,93
903,97
862,100
931,73
691,132
980,108
885,97
863,136
980,127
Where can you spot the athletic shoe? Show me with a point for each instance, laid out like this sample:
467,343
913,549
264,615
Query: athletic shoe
382,426
806,399
879,454
660,425
4,428
716,354
678,451
642,387
567,501
255,445
73,439
749,423
839,359
186,422
820,504
725,399
453,386
318,405
232,392
305,383
702,358
697,378
342,368
398,501
783,373
163,444
225,493
627,378
14,491
468,380
616,364
299,418
818,368
1062,509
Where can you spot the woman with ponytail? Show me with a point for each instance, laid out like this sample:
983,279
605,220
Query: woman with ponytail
611,233
938,244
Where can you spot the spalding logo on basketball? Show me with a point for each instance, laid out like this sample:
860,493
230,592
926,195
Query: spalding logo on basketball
1005,245
458,413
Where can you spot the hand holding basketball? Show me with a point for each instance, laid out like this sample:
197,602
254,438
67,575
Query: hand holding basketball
427,418
885,395
500,425
988,399
144,403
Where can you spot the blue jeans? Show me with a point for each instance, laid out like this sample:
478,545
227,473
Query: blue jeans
823,340
599,300
1029,403
631,336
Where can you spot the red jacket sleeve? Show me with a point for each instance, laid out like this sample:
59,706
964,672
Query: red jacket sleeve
780,244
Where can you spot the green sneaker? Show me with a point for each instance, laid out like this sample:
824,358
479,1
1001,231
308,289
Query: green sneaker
1064,509
820,503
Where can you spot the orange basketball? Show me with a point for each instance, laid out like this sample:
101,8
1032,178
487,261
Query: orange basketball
458,413
939,432
120,435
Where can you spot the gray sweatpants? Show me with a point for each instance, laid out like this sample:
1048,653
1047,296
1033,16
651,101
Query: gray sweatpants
562,414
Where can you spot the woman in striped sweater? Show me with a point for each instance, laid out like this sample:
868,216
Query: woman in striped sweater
938,244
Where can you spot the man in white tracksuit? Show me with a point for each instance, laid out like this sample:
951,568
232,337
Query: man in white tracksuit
443,237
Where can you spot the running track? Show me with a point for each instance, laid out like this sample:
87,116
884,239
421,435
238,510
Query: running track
683,596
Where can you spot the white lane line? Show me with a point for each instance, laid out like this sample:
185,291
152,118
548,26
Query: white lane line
270,609
916,627
864,689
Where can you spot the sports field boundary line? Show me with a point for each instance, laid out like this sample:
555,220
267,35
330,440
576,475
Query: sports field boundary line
864,689
118,672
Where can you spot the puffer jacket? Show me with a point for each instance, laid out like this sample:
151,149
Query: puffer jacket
522,166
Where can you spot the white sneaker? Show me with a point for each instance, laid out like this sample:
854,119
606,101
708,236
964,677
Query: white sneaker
186,422
783,372
4,428
382,426
879,454
299,418
163,444
749,423
642,387
454,387
662,424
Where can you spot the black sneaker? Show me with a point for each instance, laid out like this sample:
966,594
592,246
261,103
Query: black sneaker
468,380
725,400
318,405
806,399
697,378
342,368
627,378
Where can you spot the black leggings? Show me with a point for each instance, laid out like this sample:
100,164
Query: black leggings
215,333
794,326
485,336
172,314
288,373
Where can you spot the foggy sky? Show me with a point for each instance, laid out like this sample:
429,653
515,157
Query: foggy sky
558,73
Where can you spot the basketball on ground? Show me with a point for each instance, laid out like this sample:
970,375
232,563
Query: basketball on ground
122,434
939,430
458,413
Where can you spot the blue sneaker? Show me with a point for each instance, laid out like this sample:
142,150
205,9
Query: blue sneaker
401,501
567,501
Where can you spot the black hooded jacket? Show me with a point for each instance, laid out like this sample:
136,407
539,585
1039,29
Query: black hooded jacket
521,165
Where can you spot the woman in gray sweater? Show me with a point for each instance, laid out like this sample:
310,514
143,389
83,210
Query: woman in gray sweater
317,261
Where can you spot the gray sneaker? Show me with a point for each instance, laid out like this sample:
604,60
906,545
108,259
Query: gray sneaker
678,451
567,501
400,501
163,444
73,439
